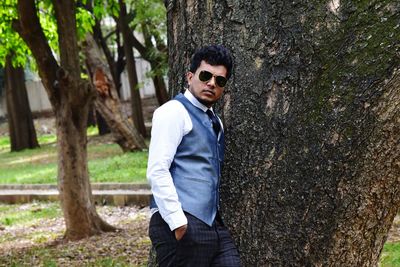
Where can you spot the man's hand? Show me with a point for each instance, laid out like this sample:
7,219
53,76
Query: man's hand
180,232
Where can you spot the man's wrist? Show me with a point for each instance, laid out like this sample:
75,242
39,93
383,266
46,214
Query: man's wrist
176,219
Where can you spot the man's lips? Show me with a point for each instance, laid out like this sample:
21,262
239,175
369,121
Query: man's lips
209,92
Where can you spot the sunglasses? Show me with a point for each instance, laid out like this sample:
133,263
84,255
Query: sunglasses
205,76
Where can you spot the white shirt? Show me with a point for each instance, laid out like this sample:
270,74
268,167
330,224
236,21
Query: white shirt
170,123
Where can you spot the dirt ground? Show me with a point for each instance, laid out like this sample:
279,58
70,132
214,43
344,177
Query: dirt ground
130,242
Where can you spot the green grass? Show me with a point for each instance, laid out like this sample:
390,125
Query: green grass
107,163
12,215
390,256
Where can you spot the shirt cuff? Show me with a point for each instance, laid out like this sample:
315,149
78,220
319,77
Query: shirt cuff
176,219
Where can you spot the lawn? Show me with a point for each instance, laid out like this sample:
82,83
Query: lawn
107,162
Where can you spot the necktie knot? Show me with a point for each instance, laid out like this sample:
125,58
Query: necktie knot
214,120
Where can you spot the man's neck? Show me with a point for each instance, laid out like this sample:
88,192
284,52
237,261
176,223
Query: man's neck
195,101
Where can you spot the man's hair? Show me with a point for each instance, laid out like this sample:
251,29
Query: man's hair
213,55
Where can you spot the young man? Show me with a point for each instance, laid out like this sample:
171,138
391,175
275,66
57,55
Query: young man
185,157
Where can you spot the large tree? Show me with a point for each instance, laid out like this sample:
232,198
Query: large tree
70,97
312,174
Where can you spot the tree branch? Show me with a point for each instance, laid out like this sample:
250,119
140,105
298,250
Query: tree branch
29,28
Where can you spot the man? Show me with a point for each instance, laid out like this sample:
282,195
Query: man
185,157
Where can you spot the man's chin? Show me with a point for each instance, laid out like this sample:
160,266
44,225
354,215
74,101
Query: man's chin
206,102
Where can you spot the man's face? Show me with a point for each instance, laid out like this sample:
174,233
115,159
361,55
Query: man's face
207,92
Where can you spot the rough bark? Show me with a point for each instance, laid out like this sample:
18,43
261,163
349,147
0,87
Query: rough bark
107,102
21,128
70,98
136,103
311,174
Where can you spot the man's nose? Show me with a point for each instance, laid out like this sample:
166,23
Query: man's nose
211,82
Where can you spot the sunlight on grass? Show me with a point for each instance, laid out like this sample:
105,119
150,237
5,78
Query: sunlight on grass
47,139
128,167
390,256
4,143
107,163
43,139
32,159
11,215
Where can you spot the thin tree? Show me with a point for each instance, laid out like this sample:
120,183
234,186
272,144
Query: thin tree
136,104
70,97
149,19
20,121
311,176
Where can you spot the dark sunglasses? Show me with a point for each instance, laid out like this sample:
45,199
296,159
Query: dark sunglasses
205,76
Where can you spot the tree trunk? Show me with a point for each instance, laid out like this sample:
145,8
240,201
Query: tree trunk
70,98
311,174
155,62
102,124
137,113
21,128
160,88
107,101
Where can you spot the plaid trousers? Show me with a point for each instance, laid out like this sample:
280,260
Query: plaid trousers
202,245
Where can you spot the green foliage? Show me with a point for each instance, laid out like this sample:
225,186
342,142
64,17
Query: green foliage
151,19
150,12
84,21
390,256
48,23
10,42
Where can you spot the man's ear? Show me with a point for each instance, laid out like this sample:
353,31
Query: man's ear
189,77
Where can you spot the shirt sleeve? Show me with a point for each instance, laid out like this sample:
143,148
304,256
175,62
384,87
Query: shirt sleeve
170,123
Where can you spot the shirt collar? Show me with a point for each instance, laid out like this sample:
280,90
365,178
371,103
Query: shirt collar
195,102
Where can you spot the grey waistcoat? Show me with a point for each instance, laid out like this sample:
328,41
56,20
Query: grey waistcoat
196,167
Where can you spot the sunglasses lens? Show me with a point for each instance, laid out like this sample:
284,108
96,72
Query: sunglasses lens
221,81
205,76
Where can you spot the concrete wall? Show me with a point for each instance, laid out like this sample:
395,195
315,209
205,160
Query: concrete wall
3,110
39,101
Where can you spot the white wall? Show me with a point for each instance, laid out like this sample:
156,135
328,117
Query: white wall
3,109
38,99
147,86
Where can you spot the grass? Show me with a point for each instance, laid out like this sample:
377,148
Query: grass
390,256
107,163
12,215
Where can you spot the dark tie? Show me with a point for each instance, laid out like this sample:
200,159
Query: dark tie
215,121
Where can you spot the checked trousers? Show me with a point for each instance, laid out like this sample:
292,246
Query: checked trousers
202,245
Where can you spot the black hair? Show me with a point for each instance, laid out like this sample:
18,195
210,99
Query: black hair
213,55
